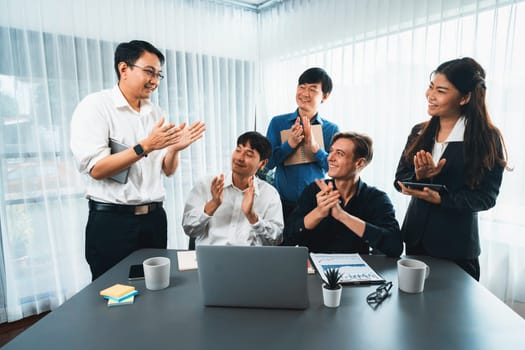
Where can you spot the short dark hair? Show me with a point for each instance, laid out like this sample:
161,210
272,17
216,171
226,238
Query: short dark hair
317,75
258,142
131,52
363,145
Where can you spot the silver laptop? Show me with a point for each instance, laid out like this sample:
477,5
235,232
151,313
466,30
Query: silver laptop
261,277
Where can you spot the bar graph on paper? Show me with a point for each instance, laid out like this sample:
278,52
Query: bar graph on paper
352,267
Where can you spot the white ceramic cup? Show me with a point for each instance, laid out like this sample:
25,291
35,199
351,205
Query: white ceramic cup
411,275
157,273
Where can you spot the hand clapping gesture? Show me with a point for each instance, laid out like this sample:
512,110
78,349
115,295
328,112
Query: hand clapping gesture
309,138
185,136
160,136
247,203
175,137
424,166
217,189
217,195
327,199
297,134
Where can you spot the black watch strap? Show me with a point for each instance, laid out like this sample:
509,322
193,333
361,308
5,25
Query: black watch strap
139,150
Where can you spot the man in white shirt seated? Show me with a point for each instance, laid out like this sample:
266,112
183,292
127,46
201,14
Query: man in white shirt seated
239,208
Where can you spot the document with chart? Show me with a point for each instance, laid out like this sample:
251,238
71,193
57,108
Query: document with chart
353,268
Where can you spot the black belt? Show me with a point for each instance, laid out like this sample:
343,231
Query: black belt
141,209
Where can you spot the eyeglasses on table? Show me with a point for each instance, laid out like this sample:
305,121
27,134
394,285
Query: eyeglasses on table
375,298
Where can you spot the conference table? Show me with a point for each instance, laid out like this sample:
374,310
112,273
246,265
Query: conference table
453,312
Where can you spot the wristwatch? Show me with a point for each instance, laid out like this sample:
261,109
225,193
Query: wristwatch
139,150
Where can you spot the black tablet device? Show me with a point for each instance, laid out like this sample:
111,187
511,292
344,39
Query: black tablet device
421,185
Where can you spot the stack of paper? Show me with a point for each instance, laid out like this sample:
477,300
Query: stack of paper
119,294
187,260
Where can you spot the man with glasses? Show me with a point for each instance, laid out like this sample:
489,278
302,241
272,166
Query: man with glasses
124,143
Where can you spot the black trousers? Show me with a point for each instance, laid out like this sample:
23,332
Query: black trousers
111,236
470,266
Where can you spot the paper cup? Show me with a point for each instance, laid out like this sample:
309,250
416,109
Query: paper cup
157,273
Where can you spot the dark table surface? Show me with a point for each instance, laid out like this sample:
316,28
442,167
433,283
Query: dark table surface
454,312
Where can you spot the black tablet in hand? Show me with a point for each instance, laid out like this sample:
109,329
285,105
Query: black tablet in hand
421,185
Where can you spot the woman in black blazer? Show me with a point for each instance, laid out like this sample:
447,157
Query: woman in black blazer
460,148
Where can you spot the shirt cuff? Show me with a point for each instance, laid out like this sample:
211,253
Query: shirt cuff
370,237
257,225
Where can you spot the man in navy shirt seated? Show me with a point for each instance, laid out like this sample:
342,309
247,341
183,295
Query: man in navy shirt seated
344,214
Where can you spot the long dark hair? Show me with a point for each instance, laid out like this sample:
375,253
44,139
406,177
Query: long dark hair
483,144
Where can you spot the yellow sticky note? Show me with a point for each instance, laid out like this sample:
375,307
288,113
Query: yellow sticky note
117,290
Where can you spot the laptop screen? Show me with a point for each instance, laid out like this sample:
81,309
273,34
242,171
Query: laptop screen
253,276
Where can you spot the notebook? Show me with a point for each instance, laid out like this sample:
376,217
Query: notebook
259,277
303,154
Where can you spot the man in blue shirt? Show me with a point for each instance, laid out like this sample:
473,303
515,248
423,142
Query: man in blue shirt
293,172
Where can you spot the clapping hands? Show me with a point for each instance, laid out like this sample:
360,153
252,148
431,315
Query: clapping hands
247,202
185,136
296,134
303,132
175,137
424,165
327,199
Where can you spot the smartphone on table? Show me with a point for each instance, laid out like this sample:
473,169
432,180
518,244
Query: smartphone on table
136,272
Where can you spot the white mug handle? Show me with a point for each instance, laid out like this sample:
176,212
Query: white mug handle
427,271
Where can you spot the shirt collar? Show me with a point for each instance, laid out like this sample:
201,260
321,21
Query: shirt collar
315,120
228,181
360,185
120,101
456,135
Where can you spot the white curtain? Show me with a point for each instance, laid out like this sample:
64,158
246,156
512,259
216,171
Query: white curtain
55,52
225,65
380,55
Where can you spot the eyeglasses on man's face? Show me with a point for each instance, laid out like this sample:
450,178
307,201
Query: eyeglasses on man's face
149,72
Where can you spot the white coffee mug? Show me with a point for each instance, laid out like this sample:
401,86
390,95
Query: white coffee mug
157,273
411,275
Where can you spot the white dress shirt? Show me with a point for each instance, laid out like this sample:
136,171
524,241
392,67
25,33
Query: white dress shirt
228,225
107,114
456,135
